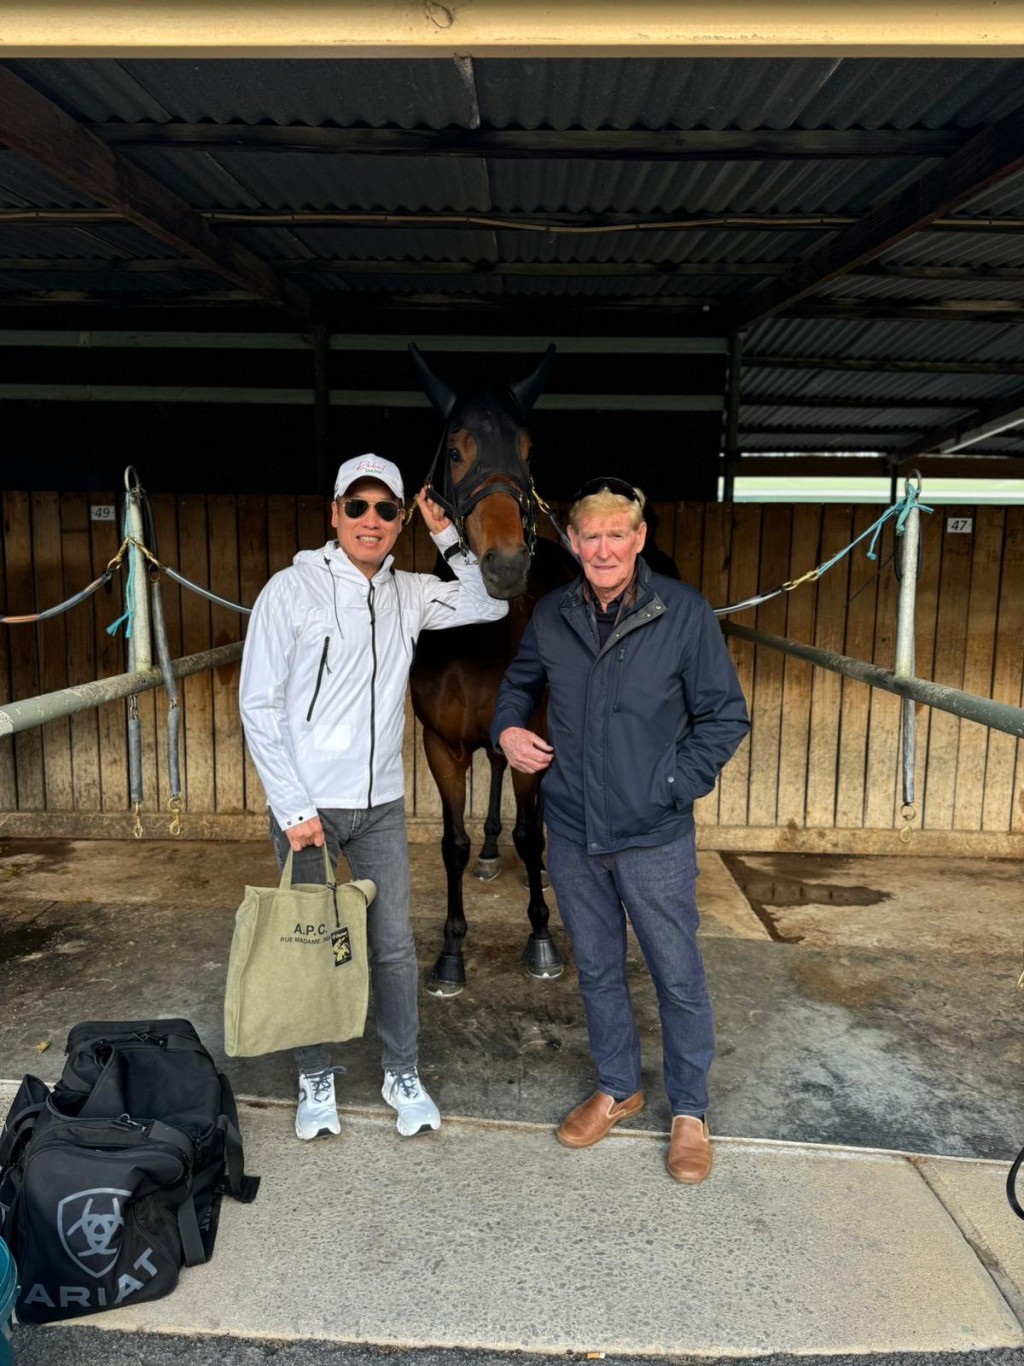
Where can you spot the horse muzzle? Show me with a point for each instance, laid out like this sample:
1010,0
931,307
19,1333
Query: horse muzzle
504,573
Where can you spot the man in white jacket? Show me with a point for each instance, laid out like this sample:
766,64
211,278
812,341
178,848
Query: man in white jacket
322,695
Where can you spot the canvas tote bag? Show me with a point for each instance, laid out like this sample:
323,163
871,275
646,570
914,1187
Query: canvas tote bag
298,972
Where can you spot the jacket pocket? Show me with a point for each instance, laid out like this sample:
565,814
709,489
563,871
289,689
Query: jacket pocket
319,676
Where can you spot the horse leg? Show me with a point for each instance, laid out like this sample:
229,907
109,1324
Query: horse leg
541,955
488,863
449,767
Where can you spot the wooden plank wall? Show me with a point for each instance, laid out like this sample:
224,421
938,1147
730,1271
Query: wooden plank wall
819,772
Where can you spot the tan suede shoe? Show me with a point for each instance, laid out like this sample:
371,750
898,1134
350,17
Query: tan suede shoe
689,1149
589,1122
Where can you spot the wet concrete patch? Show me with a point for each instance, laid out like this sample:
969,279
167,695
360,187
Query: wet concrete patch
893,903
25,941
785,884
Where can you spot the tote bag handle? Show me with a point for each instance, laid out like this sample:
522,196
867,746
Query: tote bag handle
286,871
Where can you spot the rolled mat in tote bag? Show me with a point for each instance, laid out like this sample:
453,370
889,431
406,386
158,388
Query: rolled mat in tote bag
297,974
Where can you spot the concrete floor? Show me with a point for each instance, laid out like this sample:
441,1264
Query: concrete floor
864,1001
868,1003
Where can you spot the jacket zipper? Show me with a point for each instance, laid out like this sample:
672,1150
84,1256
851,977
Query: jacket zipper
319,676
619,676
373,693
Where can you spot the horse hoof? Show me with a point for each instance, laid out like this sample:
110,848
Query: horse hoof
487,869
542,958
449,976
545,881
443,989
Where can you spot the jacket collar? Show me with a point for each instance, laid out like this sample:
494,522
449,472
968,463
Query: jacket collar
637,593
342,567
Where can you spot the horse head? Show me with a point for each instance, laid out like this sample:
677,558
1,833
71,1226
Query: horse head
484,483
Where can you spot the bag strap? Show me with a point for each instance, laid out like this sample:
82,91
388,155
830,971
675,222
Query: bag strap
239,1185
1011,1183
188,1223
191,1239
17,1133
286,871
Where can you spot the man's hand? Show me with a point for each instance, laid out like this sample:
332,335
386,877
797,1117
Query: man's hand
306,832
433,514
525,751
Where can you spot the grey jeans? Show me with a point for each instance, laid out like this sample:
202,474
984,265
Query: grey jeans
375,845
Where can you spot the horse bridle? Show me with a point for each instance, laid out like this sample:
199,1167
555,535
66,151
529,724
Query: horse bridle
459,500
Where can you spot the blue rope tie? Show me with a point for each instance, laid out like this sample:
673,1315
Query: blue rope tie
900,510
128,616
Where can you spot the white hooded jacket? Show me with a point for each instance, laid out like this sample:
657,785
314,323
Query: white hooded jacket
324,670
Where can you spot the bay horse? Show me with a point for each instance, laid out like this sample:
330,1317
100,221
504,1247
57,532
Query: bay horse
485,486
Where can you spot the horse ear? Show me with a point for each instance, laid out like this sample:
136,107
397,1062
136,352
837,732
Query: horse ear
527,391
441,395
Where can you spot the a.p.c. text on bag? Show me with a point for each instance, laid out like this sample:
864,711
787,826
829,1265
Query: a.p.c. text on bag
112,1181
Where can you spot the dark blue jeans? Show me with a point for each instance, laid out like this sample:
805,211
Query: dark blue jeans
655,888
376,845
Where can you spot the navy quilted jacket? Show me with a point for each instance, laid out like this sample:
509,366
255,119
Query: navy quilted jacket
640,728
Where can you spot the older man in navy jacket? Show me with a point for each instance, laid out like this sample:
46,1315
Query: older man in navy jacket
644,710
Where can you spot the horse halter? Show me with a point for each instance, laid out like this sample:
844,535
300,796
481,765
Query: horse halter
488,476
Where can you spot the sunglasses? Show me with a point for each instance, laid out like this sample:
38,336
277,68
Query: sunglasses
387,511
618,486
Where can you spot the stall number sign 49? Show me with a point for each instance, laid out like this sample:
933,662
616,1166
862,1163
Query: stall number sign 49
961,524
102,512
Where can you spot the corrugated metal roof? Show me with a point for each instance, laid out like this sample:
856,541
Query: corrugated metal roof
556,93
892,340
755,416
236,180
364,91
877,386
569,94
24,185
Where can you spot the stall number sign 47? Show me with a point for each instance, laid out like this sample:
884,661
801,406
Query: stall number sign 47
961,524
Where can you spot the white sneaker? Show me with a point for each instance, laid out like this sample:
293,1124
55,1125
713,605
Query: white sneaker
317,1113
416,1111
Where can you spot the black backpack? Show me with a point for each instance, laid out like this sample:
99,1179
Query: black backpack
112,1182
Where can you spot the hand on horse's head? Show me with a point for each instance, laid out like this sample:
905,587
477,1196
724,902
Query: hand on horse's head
433,514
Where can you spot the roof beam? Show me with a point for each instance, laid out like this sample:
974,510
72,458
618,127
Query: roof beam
872,404
510,28
35,127
987,159
1001,415
921,310
476,343
939,467
588,224
321,265
790,144
883,366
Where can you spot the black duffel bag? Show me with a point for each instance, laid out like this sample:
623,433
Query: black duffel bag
112,1182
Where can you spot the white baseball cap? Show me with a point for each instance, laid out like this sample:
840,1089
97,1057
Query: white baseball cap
369,466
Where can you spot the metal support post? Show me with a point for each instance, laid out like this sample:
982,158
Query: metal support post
321,406
905,657
732,417
141,634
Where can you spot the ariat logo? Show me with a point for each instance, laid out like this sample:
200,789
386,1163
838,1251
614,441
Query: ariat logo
91,1226
94,1297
